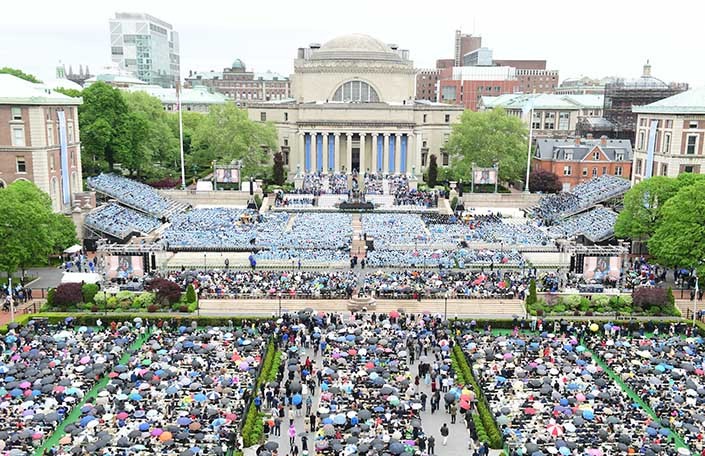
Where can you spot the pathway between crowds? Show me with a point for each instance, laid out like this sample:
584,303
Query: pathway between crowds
635,397
59,432
457,441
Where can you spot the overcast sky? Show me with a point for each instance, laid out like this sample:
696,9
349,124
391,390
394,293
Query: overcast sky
594,38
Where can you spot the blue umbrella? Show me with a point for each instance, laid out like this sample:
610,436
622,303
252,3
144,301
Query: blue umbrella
86,419
296,400
339,419
183,421
200,397
135,397
588,415
327,420
16,392
144,427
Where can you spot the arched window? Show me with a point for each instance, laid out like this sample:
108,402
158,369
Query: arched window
359,91
54,194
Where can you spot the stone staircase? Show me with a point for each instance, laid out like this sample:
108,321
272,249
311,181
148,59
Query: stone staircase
358,247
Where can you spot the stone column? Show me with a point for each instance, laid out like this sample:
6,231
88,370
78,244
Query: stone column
385,154
362,153
348,159
411,159
397,153
325,152
301,153
373,167
314,151
336,153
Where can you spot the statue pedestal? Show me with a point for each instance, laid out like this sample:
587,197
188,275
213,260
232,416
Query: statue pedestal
298,182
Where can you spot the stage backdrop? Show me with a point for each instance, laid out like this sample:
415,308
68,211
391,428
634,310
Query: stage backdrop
599,268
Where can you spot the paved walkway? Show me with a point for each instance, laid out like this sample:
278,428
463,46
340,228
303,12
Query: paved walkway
457,441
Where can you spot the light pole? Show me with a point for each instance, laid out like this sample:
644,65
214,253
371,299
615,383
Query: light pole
204,262
280,303
12,301
445,306
695,301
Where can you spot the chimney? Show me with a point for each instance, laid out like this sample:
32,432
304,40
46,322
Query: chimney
603,140
588,136
647,69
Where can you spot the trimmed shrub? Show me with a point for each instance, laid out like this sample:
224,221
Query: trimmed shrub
166,291
143,300
50,297
68,294
191,294
645,297
151,308
123,296
89,291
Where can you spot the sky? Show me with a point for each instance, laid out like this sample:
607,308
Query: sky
597,38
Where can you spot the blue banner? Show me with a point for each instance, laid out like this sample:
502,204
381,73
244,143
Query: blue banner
380,153
402,165
319,152
63,145
331,151
307,152
392,147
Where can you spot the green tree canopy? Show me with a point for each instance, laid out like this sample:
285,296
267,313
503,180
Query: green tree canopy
69,92
102,115
20,74
227,134
678,239
487,137
29,229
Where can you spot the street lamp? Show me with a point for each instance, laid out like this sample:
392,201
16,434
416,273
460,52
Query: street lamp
279,295
445,306
12,301
695,301
204,262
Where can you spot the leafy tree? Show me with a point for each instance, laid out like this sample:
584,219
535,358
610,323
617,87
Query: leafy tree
228,134
432,171
20,74
29,230
69,92
278,175
487,137
544,181
136,157
191,294
678,238
102,115
89,290
166,291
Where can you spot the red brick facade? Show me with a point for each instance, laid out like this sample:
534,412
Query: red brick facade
468,93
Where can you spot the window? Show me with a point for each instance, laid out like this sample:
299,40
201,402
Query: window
693,124
21,165
618,171
51,162
568,154
447,118
50,135
619,156
564,121
536,121
446,137
16,113
73,158
669,123
604,170
688,169
424,143
666,143
664,169
638,166
286,116
690,144
425,118
356,91
263,116
445,158
567,170
286,142
641,140
596,156
549,121
286,156
585,171
18,136
594,172
70,132
424,157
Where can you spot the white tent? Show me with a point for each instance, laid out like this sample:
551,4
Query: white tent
78,277
73,249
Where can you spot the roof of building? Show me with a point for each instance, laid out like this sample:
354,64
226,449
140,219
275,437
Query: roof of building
544,101
356,46
115,78
688,102
556,149
643,82
14,90
237,63
270,76
196,95
596,123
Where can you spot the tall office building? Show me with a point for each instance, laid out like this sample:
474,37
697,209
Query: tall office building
145,46
463,44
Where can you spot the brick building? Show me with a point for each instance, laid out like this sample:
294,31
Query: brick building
426,84
679,145
581,159
465,86
464,44
39,139
242,86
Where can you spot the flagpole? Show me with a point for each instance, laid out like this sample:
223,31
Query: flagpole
528,153
181,133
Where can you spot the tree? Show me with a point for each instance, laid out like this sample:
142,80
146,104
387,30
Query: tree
678,238
544,181
136,157
485,138
69,92
228,134
278,175
29,230
102,115
432,171
166,291
68,294
20,74
643,204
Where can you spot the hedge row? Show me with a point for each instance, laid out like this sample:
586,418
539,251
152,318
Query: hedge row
252,429
485,425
